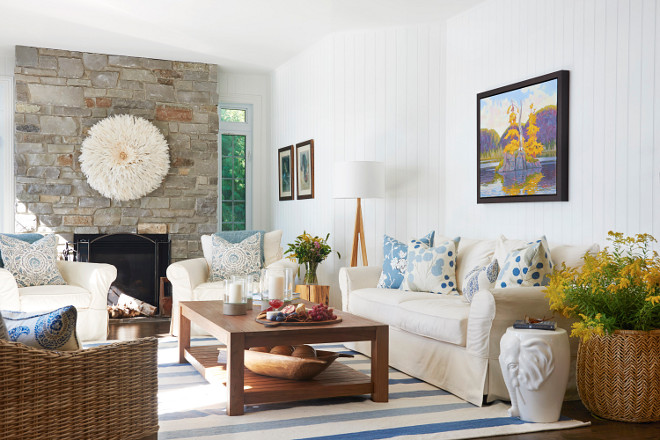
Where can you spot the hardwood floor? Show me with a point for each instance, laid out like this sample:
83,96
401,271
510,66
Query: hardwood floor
599,429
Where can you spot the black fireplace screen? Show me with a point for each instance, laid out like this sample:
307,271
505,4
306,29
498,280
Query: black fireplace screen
141,260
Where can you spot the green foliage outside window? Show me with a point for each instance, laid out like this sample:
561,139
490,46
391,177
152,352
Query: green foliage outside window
233,182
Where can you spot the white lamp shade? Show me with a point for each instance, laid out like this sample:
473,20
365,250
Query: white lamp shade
359,179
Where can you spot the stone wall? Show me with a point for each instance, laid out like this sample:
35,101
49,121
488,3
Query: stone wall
61,94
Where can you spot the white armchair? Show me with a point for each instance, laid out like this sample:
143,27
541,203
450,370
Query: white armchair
189,280
86,289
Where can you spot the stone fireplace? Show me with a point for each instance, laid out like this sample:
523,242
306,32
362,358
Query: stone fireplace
61,94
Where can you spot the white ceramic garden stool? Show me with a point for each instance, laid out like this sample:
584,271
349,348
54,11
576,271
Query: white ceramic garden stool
535,366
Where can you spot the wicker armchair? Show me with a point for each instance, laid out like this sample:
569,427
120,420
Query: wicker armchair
105,392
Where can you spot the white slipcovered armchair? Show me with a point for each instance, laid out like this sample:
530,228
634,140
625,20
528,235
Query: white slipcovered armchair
86,289
189,278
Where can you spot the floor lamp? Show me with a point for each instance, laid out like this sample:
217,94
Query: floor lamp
359,180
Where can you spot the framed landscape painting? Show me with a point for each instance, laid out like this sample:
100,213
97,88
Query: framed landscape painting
305,169
285,172
522,141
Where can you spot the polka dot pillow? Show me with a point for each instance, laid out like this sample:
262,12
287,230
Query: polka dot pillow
527,266
431,269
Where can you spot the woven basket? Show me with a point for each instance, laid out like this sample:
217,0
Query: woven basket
105,392
618,376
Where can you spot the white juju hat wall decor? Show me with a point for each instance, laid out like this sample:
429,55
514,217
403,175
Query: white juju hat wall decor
124,157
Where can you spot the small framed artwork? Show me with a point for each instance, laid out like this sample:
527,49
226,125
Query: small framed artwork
285,172
522,141
305,169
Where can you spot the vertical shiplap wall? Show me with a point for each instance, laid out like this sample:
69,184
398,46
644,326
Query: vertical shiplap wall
239,88
369,95
612,49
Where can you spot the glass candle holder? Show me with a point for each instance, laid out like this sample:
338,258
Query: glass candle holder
280,283
236,290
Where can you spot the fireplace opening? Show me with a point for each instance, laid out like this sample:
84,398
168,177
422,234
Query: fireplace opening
141,261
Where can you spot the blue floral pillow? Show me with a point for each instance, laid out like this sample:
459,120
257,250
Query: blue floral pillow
530,265
241,258
481,277
431,269
31,264
54,330
395,254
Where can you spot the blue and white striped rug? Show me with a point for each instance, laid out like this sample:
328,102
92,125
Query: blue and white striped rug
191,408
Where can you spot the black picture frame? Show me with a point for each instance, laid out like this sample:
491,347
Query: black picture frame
285,172
503,175
305,169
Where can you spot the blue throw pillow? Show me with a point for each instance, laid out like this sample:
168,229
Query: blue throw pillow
481,277
431,269
54,330
229,259
28,238
395,254
238,236
529,265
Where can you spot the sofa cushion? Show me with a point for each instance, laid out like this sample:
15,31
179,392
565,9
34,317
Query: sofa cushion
53,330
395,259
241,258
52,297
481,277
28,238
440,317
271,248
529,265
572,255
31,264
472,253
431,269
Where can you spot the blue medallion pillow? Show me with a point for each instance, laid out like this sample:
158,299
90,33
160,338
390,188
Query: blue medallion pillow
28,238
241,258
529,265
431,269
54,330
481,277
31,264
395,254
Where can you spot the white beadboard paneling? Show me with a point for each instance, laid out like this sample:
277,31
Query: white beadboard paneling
611,49
367,95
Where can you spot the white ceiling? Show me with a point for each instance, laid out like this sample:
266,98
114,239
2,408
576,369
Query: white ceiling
239,35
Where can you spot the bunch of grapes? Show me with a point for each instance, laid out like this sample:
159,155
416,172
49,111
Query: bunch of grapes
321,312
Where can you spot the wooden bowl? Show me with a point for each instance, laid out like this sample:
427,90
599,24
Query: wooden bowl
290,367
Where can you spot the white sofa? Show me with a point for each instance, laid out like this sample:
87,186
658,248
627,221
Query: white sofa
86,289
443,339
189,278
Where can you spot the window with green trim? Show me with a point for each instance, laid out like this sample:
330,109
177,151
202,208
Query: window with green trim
235,136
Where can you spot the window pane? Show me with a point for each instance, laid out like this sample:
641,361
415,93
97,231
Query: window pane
239,190
239,146
227,145
239,212
232,115
227,212
227,190
227,168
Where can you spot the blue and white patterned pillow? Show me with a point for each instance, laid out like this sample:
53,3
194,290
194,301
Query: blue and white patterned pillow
431,269
31,264
530,265
241,258
54,330
395,254
481,277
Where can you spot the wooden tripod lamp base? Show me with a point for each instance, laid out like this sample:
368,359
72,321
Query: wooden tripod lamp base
359,235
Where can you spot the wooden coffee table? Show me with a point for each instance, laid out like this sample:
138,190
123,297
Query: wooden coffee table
239,333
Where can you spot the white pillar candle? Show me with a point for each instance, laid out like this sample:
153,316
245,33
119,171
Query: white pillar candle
276,287
236,293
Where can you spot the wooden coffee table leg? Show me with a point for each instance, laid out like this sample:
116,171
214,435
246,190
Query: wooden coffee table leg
379,365
184,336
235,374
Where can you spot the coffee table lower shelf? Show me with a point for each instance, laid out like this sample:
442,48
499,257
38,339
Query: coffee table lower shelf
337,380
